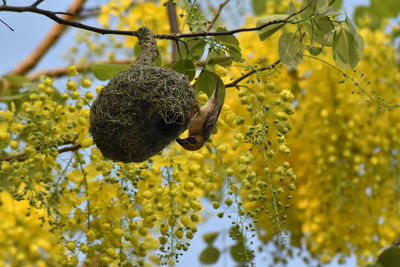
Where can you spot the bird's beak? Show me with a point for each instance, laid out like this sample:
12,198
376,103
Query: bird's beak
189,143
186,141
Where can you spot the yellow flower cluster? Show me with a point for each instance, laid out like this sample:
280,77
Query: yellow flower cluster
26,239
347,156
344,150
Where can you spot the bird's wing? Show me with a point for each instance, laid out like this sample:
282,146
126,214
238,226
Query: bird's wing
211,121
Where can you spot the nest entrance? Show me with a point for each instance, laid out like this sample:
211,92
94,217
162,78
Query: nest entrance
142,109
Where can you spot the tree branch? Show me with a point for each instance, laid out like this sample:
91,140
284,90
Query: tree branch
173,36
37,2
235,82
24,156
173,23
52,15
216,15
54,34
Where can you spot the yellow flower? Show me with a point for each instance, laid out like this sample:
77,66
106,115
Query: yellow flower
75,176
221,71
86,83
72,70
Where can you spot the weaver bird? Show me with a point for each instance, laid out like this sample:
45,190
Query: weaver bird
202,124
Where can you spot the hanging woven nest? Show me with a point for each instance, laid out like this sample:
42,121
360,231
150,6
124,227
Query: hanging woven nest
142,109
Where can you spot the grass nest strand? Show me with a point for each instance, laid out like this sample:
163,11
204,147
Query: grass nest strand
142,109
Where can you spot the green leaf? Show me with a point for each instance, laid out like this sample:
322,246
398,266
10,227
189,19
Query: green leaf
209,255
218,56
207,82
386,8
313,50
226,39
15,96
351,26
337,4
319,30
4,182
105,72
16,81
191,49
346,49
292,8
10,98
290,49
240,253
309,12
322,6
333,13
362,12
232,44
395,34
269,30
390,257
209,238
186,67
235,52
259,7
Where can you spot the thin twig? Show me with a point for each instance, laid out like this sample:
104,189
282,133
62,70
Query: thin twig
24,156
216,15
69,148
173,36
51,38
6,25
37,2
235,82
64,13
75,24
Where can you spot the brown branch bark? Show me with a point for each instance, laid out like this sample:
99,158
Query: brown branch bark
24,156
217,14
173,23
173,36
61,20
51,38
37,2
238,80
